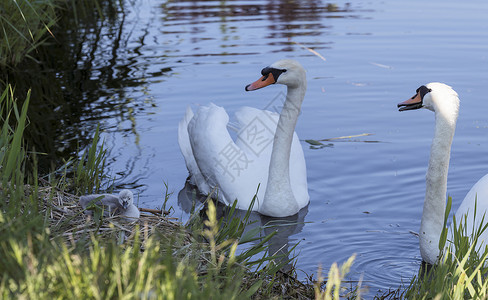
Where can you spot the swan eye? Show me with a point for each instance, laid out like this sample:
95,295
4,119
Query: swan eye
266,71
275,72
423,90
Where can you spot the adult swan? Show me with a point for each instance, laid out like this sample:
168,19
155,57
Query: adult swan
266,152
444,102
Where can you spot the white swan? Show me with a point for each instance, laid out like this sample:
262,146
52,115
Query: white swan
265,153
444,101
121,204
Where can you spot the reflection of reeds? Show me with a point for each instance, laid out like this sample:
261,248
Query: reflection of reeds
67,74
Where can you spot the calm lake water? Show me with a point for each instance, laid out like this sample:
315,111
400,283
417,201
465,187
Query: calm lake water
366,193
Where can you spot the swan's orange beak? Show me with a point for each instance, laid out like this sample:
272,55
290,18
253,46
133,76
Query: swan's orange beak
261,82
413,103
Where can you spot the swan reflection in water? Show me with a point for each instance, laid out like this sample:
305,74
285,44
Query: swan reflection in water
189,199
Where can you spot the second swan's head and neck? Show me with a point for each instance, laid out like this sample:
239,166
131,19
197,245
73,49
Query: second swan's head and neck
444,102
279,199
286,71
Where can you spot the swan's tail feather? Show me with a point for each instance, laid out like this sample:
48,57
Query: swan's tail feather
196,177
184,142
233,127
183,137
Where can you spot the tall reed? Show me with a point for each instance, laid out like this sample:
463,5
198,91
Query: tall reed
334,288
13,156
89,171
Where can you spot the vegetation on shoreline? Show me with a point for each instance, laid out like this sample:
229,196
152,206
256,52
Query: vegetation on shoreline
50,248
461,270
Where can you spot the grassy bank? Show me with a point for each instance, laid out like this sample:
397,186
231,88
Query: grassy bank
50,248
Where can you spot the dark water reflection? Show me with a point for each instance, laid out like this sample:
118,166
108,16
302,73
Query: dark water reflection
136,70
88,73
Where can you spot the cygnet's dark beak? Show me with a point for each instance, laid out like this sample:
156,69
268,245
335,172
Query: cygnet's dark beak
125,204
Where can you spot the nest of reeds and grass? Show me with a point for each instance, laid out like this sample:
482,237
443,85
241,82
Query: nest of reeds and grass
211,250
78,228
68,219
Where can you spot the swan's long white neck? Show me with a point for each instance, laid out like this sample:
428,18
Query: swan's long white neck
278,190
436,183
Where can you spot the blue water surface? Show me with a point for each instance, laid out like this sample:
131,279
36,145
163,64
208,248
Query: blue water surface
366,193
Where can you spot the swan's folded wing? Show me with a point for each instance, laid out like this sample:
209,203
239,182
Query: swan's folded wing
213,148
256,132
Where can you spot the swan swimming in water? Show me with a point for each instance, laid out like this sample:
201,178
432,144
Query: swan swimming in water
121,204
266,153
444,102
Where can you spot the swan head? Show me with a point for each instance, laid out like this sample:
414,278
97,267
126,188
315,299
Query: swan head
126,198
435,96
286,71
